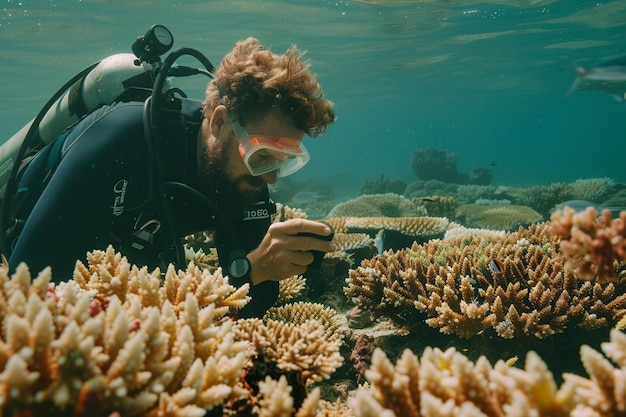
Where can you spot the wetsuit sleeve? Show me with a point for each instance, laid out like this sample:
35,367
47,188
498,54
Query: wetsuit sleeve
101,176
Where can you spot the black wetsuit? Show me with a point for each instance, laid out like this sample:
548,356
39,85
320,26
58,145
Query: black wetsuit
99,193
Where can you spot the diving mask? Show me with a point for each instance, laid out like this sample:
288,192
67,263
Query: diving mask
264,153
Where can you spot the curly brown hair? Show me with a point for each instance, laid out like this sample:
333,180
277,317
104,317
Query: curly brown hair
251,81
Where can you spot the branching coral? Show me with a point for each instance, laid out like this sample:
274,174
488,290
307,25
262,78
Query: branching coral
116,340
301,348
99,346
445,383
594,244
516,286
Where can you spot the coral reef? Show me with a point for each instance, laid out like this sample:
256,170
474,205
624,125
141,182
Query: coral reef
355,235
594,244
419,188
437,205
290,288
438,164
119,341
284,212
383,185
467,194
299,352
591,189
516,287
359,244
372,205
543,198
299,313
399,232
445,383
116,340
496,216
435,164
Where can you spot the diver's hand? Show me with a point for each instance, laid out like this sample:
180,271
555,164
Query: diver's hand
282,253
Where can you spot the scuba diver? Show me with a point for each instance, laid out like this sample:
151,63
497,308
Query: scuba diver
147,168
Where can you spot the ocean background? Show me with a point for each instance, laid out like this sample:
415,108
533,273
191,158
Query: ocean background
486,81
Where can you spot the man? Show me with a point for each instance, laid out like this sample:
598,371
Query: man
208,170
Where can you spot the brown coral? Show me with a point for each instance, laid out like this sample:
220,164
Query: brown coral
516,286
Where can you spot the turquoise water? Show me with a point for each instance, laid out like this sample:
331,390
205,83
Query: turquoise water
486,81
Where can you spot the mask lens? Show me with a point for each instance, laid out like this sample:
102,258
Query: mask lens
264,154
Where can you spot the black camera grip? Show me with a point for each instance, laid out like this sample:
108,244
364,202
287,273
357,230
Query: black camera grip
318,255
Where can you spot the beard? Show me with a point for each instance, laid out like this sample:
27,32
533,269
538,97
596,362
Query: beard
227,193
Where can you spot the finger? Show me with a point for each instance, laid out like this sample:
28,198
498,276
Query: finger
307,243
302,258
295,226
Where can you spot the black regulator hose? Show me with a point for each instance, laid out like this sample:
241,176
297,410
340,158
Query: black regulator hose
155,102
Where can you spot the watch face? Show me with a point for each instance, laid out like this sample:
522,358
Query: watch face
239,267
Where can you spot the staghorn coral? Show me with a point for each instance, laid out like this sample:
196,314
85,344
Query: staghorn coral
299,352
290,288
591,189
516,287
119,345
543,198
594,244
372,205
497,216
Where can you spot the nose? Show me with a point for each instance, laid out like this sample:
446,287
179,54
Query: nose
271,177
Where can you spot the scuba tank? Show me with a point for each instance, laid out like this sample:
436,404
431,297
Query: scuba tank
99,84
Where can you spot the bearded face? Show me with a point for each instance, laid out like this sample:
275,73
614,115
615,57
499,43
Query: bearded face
226,180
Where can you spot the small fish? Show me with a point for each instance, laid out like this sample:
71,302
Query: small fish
379,241
608,76
496,266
